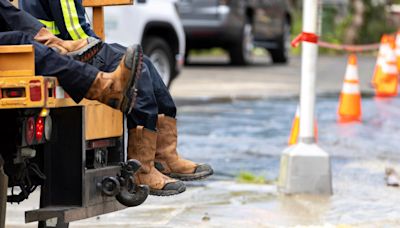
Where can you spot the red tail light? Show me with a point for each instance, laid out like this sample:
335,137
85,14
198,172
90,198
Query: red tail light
39,129
35,89
30,130
13,92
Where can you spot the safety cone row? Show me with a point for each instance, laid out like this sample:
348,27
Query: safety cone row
350,98
397,51
386,83
382,53
294,133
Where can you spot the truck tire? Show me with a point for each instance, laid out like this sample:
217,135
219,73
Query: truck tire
159,52
281,54
241,51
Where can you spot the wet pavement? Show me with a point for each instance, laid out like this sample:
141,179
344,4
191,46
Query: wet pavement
249,135
235,133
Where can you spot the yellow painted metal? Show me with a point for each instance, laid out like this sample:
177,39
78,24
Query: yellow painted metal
101,121
21,83
96,3
17,60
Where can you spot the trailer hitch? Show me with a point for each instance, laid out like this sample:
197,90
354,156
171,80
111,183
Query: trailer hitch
123,187
131,194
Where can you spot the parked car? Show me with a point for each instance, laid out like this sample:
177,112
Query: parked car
156,25
238,26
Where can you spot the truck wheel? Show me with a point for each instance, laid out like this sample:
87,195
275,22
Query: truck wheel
162,57
281,54
241,53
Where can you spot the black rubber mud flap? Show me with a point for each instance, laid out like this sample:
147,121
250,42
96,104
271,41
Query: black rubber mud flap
3,194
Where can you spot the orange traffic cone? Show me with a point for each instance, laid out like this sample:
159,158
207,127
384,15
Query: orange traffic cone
294,133
386,85
398,49
350,97
383,49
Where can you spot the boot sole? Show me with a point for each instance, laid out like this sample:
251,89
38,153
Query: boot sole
87,53
134,62
190,177
156,192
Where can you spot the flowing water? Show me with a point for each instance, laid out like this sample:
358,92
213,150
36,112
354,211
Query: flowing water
250,135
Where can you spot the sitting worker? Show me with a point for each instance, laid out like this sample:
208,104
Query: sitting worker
115,89
152,124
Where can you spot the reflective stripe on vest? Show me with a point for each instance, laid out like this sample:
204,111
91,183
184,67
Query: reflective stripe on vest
71,20
51,26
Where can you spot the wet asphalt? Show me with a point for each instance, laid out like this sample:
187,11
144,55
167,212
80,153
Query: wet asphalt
238,119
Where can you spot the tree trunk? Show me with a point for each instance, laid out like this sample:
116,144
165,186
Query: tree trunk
357,22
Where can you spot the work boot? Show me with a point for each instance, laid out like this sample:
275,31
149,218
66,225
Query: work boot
81,50
167,159
87,52
142,147
118,89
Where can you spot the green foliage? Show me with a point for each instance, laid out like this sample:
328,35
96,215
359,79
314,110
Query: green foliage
335,24
376,23
297,27
248,177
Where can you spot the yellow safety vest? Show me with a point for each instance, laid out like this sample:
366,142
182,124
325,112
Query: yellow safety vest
51,26
71,20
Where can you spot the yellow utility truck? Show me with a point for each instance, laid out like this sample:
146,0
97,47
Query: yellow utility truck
75,153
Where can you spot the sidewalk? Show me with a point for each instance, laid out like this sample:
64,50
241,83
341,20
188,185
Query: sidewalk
263,80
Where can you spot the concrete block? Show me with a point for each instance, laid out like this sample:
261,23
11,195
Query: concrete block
305,169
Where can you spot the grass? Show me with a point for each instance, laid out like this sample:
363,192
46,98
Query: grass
250,178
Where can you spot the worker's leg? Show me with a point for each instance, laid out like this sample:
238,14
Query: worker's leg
155,105
13,19
115,89
164,99
146,107
108,57
167,159
75,77
143,139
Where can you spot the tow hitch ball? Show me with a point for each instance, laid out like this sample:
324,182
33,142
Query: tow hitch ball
123,186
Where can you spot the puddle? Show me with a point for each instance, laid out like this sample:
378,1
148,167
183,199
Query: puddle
251,135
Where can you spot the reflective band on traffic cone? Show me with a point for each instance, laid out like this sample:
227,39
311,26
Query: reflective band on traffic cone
398,49
383,50
294,133
350,97
386,85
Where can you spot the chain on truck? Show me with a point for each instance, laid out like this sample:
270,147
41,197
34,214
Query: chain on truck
75,153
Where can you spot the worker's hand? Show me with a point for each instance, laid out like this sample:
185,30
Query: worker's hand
63,47
44,35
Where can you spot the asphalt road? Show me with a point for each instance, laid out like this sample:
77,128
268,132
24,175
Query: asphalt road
211,77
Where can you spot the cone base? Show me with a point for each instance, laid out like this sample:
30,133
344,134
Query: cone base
385,95
349,119
349,108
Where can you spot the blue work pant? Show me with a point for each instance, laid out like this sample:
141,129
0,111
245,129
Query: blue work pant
153,96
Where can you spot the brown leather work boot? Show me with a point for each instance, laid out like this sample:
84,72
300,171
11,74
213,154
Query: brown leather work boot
87,52
142,147
118,89
167,159
82,50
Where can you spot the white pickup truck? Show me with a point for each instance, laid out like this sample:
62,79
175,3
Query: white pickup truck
156,25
